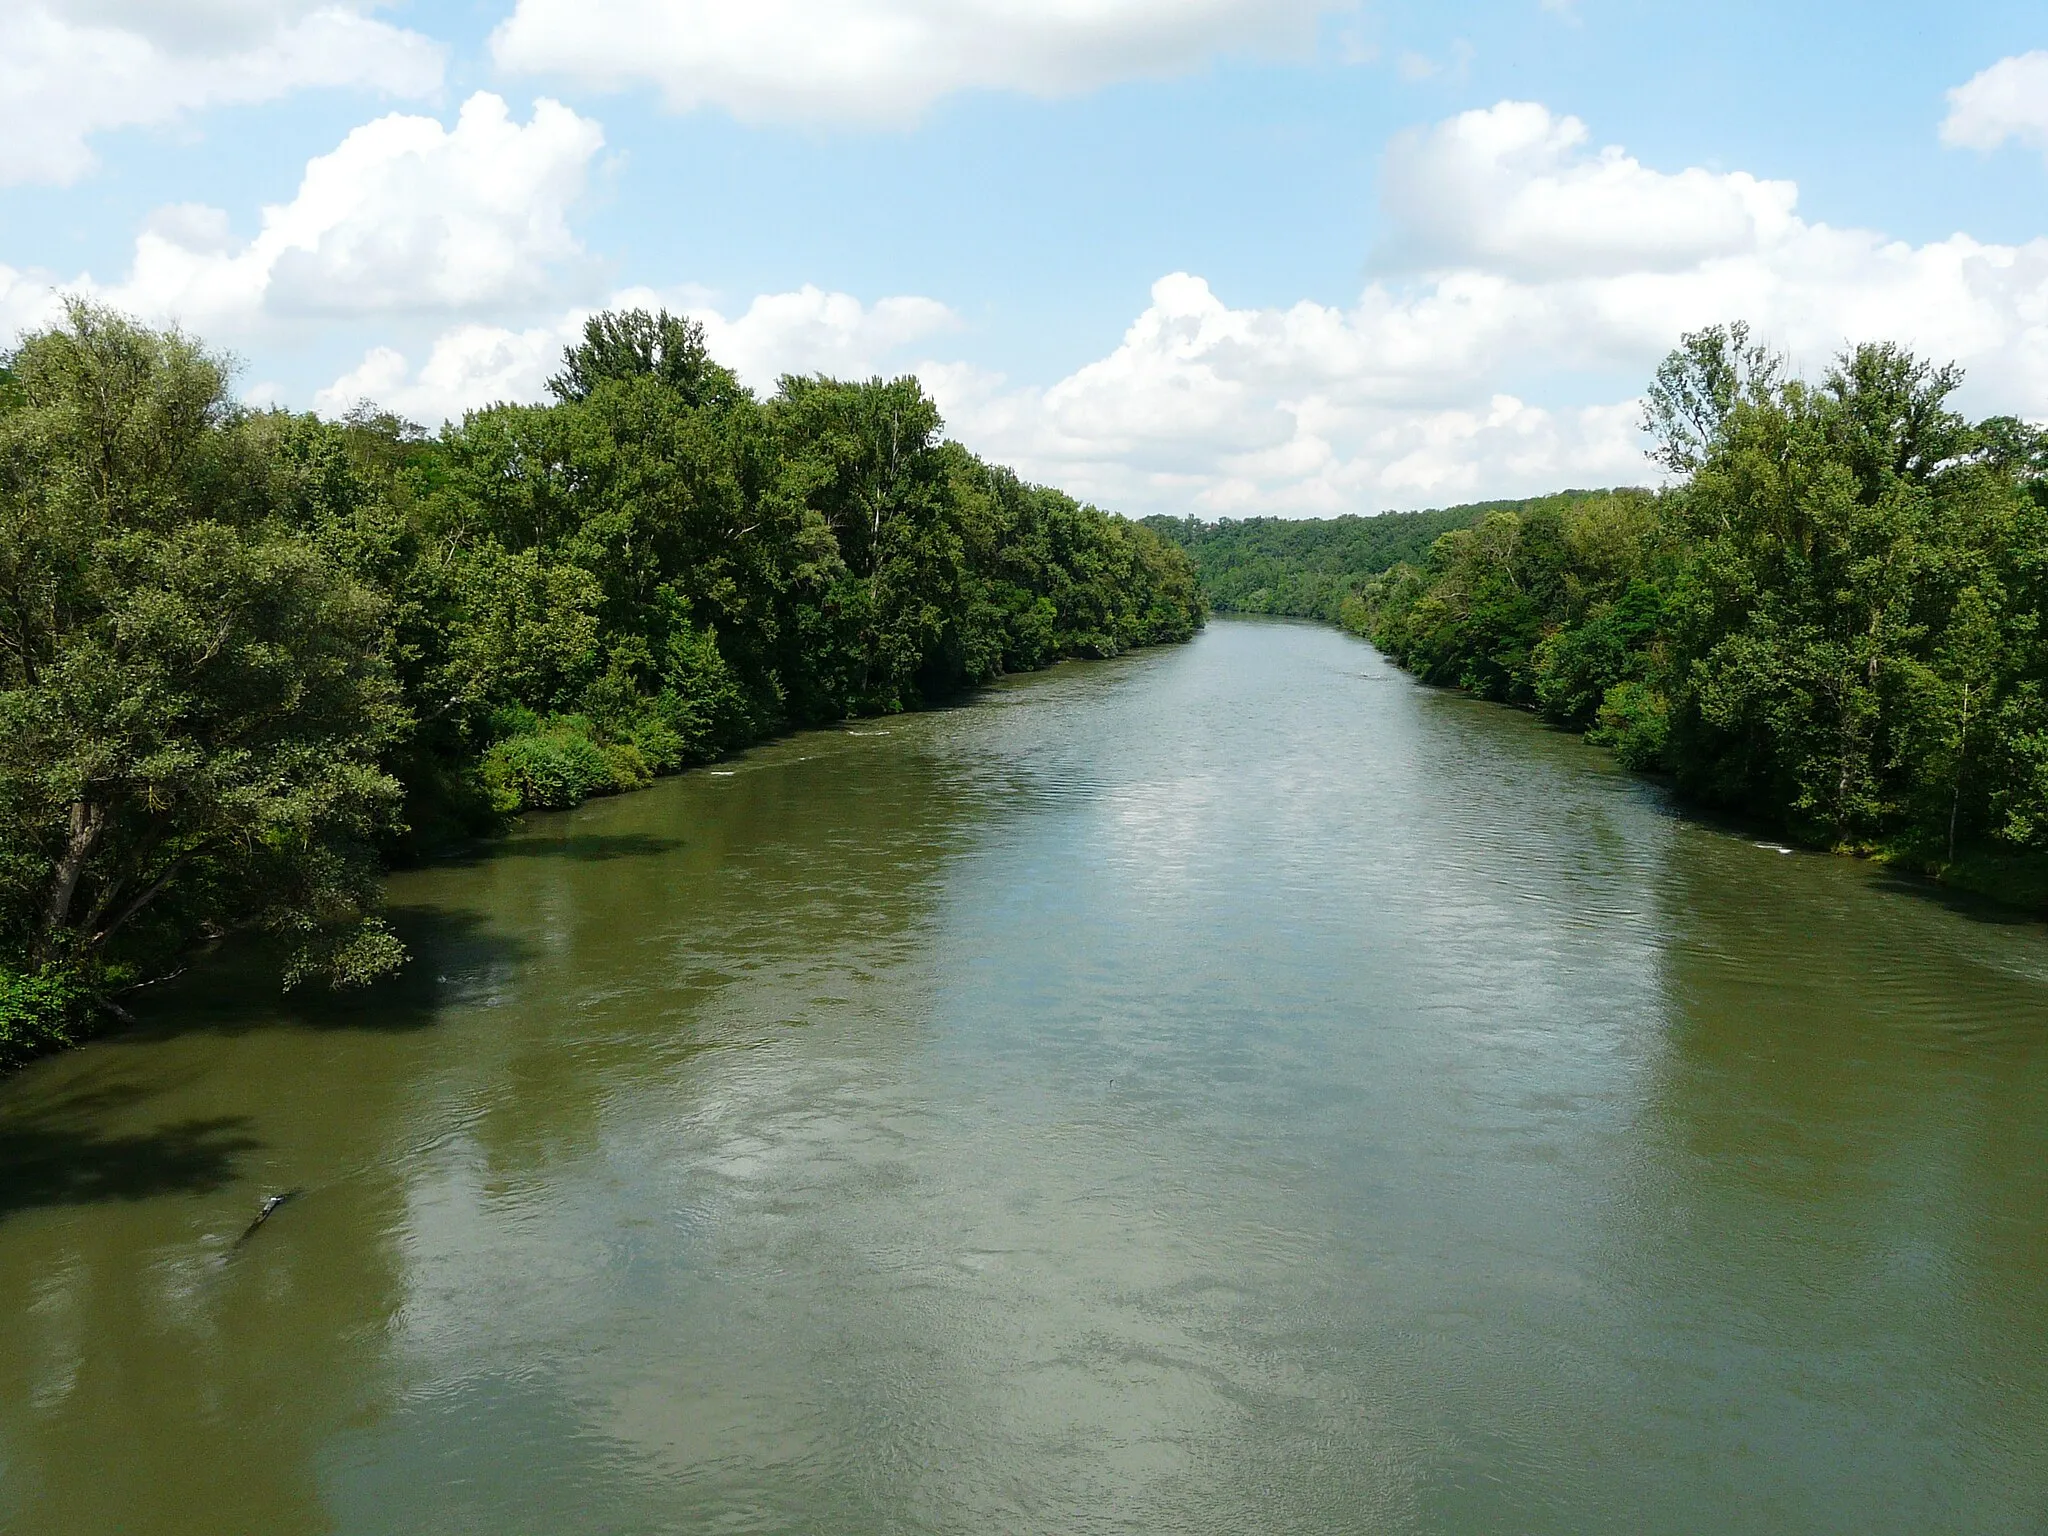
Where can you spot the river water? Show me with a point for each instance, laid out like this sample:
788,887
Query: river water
1227,1089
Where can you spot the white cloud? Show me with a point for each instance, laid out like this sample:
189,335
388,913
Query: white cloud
1307,411
1531,281
1513,189
884,61
1547,263
1418,67
27,300
2008,101
403,217
807,331
70,69
469,366
811,331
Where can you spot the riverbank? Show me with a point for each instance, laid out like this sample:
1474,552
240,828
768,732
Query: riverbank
1828,626
2019,881
1225,1088
271,654
46,1012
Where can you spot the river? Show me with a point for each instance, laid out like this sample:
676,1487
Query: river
1226,1089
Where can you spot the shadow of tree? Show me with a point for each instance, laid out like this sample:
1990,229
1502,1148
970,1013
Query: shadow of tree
542,842
1893,879
1962,902
237,989
57,1155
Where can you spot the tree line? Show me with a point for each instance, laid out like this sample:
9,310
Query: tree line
1305,568
1829,624
248,657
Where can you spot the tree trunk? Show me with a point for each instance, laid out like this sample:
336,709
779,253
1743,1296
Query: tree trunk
87,821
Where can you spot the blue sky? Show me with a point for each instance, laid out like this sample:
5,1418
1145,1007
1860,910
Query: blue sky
1183,255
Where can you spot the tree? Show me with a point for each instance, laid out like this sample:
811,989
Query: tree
228,638
631,343
1697,389
193,693
1833,622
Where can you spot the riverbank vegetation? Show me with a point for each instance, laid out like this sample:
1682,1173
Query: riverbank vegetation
1305,568
1831,623
248,656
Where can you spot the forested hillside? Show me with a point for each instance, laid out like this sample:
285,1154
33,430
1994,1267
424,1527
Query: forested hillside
1306,567
248,656
1832,624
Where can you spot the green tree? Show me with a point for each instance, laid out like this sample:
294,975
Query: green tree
627,344
231,640
1832,623
194,694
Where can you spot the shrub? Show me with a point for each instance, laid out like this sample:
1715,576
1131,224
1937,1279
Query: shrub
1635,723
1576,667
660,746
551,769
629,768
39,1011
701,703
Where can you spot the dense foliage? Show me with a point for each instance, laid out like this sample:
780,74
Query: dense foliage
245,656
1831,623
1306,568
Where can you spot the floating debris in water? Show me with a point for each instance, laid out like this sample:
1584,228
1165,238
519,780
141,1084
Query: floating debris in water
270,1205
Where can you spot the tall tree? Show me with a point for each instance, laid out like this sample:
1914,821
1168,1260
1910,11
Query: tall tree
194,694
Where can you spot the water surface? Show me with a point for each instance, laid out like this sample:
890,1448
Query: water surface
1227,1089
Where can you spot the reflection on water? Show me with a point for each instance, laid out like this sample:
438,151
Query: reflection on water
1224,1089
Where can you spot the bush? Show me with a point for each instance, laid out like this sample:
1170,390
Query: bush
514,720
555,767
39,1012
1635,724
701,703
662,749
629,769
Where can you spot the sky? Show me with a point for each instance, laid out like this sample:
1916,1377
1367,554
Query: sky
1221,257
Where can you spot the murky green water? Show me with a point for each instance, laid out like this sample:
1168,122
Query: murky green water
1225,1090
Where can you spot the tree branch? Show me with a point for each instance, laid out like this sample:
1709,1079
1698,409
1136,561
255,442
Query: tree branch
153,890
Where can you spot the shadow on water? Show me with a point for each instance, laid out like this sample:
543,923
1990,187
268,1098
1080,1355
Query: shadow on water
62,1154
534,841
237,989
1961,903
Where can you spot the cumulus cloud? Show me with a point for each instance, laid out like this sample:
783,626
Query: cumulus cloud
2007,102
1514,189
404,217
811,331
27,300
1528,283
1307,411
807,331
469,366
884,61
1534,263
1536,258
70,69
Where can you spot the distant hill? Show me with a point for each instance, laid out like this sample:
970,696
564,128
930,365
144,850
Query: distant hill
1305,567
